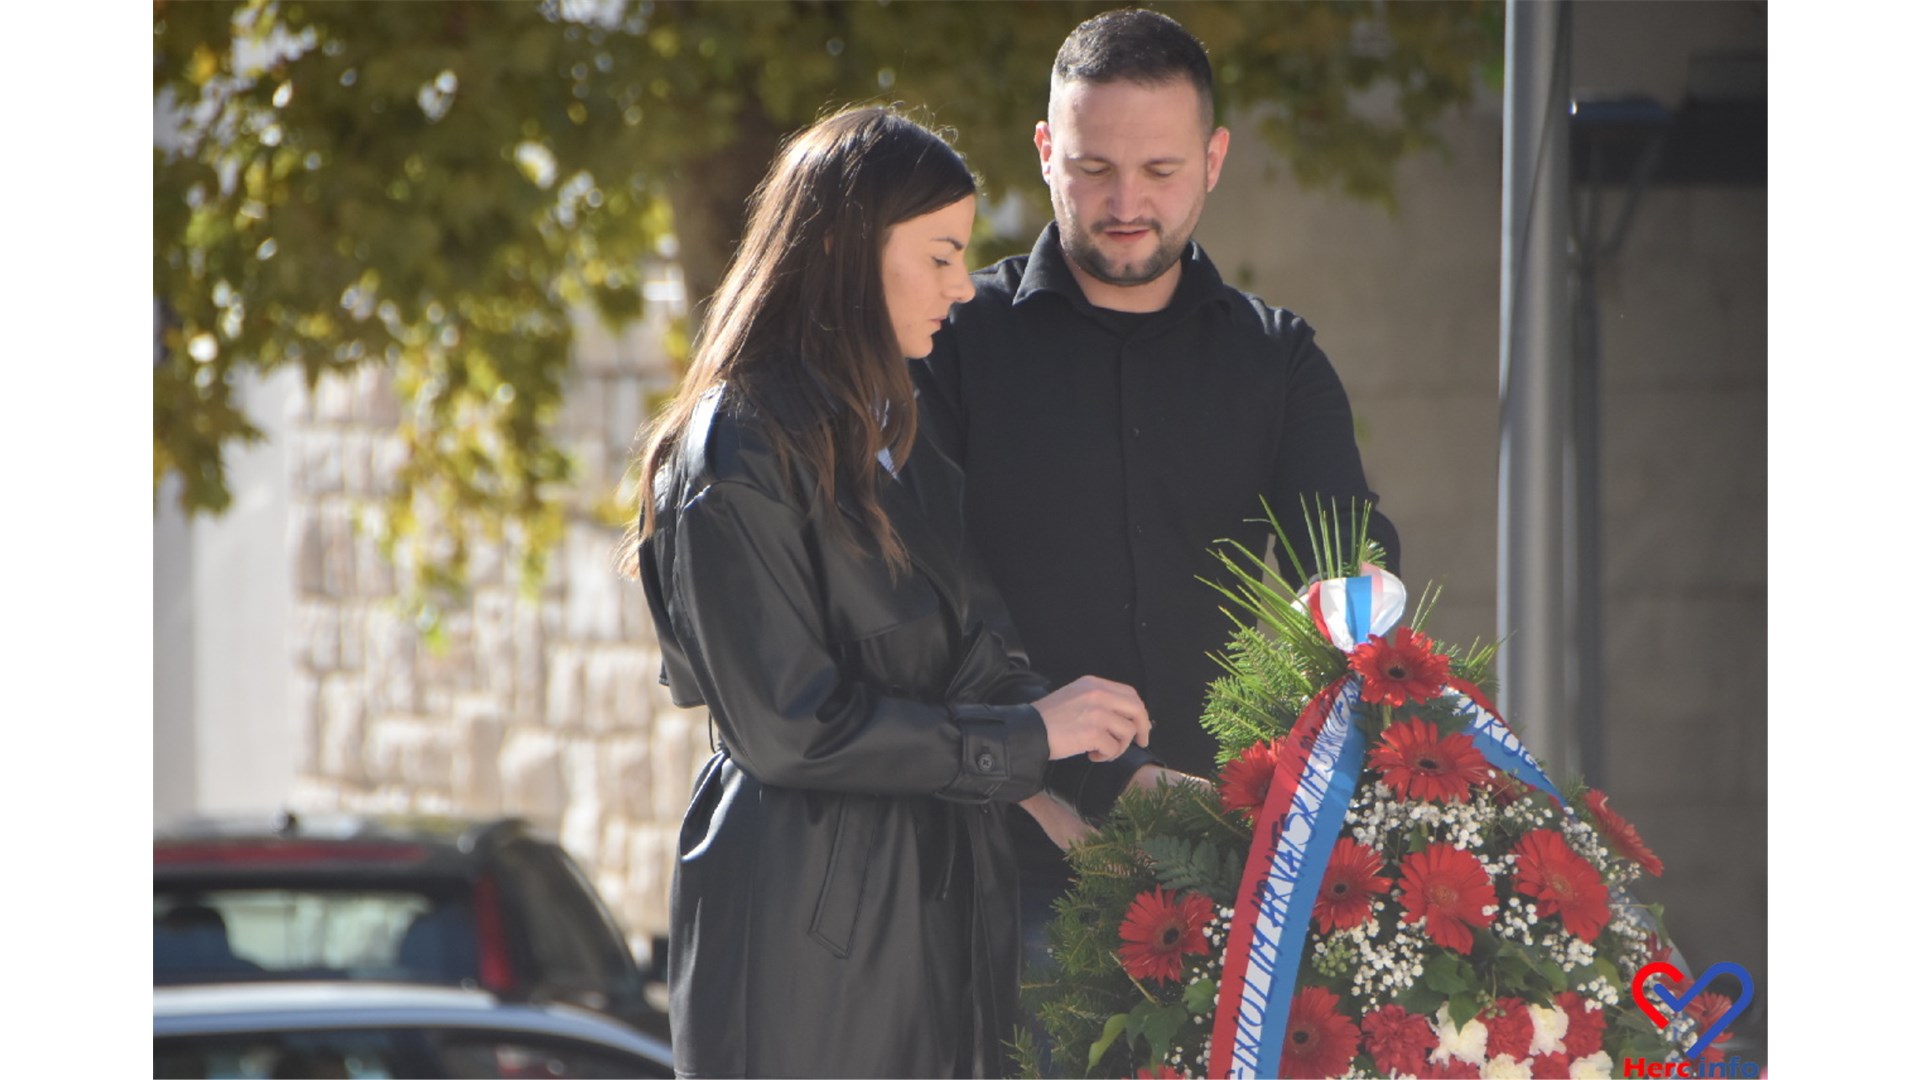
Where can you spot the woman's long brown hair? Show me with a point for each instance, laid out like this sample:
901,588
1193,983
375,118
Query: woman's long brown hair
798,328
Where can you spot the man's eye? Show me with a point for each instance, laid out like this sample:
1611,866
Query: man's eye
1093,170
1161,174
940,262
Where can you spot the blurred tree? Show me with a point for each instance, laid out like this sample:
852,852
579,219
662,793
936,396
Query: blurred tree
433,187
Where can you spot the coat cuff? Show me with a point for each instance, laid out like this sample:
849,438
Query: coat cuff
1003,754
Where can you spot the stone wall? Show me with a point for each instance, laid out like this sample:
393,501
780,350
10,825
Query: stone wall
547,706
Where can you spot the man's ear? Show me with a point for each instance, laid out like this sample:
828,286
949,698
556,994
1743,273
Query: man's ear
1216,156
1043,142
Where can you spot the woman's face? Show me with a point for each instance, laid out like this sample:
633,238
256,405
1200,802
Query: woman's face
923,274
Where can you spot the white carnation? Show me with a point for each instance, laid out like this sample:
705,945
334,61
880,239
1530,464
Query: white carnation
1592,1067
1549,1029
1506,1066
1467,1043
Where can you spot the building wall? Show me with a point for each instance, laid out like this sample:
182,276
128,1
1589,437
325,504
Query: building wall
543,705
1408,307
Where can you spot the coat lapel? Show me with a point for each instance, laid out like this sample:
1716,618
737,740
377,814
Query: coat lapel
916,502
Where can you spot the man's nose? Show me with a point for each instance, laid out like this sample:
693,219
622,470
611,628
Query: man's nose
1127,199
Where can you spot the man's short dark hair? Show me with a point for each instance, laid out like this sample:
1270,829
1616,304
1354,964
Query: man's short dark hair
1138,46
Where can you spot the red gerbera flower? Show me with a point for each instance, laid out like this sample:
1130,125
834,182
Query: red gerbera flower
1509,1028
1320,1041
1585,1025
1621,836
1346,890
1245,780
1706,1011
1160,929
1563,882
1451,889
1400,668
1398,1040
1418,764
1552,1066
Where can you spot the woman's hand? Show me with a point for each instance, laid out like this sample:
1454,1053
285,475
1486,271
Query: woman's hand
1062,825
1093,716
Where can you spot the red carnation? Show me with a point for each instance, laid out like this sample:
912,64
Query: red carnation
1245,780
1398,1040
1563,882
1454,1069
1451,889
1509,1028
1584,1026
1320,1041
1162,1071
1552,1066
1347,888
1400,668
1621,836
1418,764
1159,930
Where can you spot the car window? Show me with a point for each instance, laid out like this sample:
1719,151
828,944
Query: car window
485,1054
307,1054
245,933
573,940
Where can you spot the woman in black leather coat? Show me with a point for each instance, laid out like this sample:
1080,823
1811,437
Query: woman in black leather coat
844,901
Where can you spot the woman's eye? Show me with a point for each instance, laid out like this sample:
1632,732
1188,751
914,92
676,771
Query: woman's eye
940,262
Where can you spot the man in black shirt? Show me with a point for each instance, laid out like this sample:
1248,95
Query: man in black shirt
1119,409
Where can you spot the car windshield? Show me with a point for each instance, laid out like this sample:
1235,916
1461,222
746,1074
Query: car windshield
263,933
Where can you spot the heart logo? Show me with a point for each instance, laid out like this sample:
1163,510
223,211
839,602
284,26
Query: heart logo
1678,1002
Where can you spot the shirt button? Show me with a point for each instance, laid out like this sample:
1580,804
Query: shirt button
1143,624
1139,530
1136,432
984,762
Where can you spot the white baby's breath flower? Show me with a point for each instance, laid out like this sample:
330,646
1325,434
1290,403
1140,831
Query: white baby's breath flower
1549,1029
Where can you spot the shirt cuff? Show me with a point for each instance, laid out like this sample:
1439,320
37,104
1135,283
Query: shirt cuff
1092,787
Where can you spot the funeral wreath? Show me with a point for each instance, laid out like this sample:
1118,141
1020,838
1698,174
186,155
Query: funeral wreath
1382,882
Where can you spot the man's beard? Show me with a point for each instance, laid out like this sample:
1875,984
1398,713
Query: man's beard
1085,254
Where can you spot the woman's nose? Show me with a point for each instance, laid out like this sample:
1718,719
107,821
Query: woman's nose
961,290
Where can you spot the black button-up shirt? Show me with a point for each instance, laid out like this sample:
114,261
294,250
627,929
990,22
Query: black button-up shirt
1107,454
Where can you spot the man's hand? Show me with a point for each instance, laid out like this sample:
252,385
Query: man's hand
1149,777
1062,825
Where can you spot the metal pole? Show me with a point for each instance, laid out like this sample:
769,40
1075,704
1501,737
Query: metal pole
1535,343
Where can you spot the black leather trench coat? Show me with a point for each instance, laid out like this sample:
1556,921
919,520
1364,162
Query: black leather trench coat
844,901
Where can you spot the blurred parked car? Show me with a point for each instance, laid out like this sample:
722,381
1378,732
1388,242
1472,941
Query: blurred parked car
335,1029
487,905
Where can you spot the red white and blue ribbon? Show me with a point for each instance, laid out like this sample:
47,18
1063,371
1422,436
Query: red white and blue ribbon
1292,841
1349,610
1494,739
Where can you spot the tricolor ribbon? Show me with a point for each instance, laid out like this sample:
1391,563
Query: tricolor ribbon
1318,768
1292,840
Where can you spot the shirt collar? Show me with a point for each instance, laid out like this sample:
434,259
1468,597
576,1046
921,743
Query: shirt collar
1047,271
